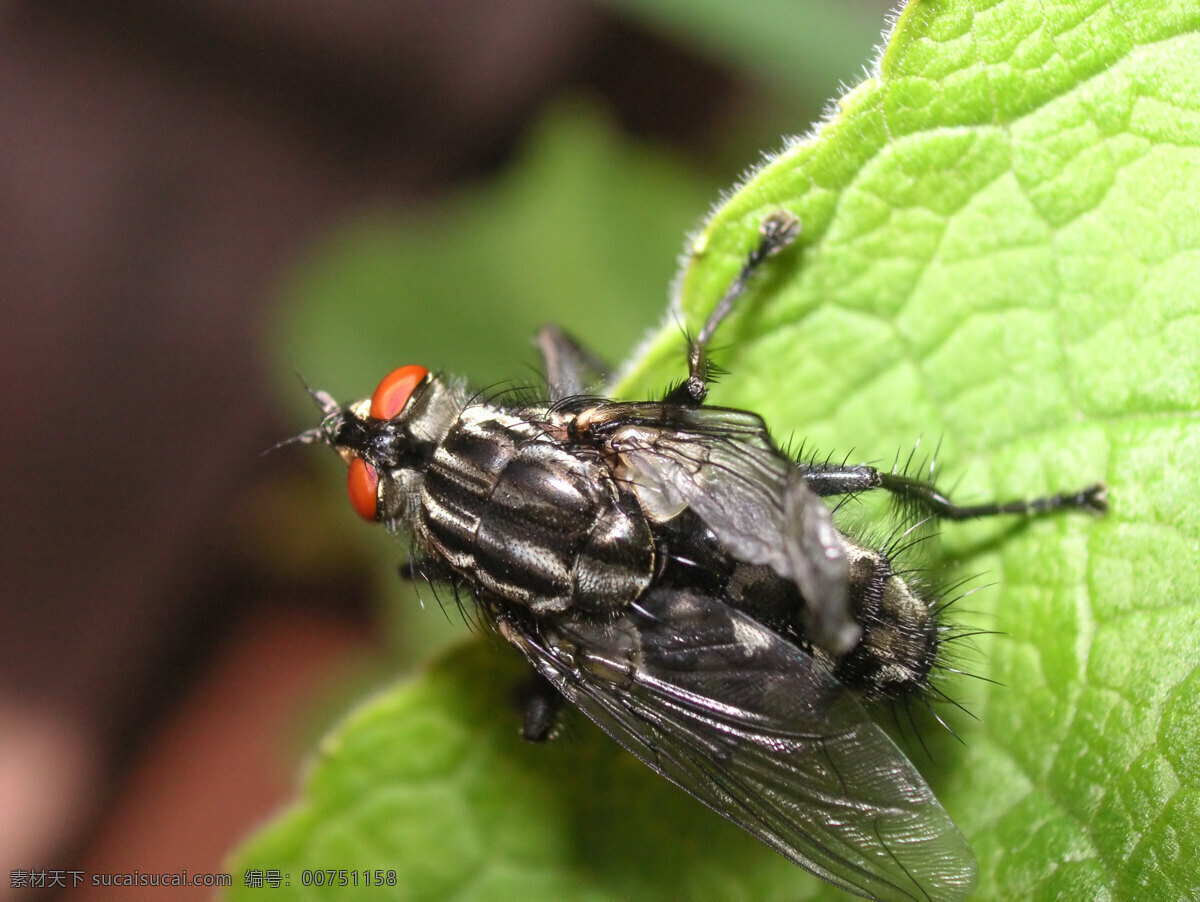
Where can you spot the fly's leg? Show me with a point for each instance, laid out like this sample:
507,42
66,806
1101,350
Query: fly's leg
776,232
571,369
826,479
540,705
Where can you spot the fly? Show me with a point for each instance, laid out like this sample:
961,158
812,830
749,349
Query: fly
666,569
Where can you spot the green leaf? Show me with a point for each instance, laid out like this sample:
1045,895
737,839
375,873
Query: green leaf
1001,250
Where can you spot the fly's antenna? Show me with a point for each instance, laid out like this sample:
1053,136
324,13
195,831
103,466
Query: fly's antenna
323,400
307,437
328,407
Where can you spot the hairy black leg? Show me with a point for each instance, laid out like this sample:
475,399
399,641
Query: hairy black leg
540,704
776,232
571,369
827,479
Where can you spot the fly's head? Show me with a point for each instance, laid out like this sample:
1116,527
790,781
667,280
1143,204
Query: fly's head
388,439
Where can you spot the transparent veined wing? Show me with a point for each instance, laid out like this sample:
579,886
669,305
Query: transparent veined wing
756,729
722,464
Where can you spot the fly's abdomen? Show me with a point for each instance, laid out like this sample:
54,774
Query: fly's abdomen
900,633
518,516
899,640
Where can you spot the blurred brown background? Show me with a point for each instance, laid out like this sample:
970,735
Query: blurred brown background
164,165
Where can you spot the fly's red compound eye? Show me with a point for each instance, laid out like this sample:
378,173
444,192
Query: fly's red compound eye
395,389
391,395
362,485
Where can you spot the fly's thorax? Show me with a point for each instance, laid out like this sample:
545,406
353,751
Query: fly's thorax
519,514
899,630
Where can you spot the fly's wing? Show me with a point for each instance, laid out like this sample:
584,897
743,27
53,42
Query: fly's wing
571,369
754,728
723,465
